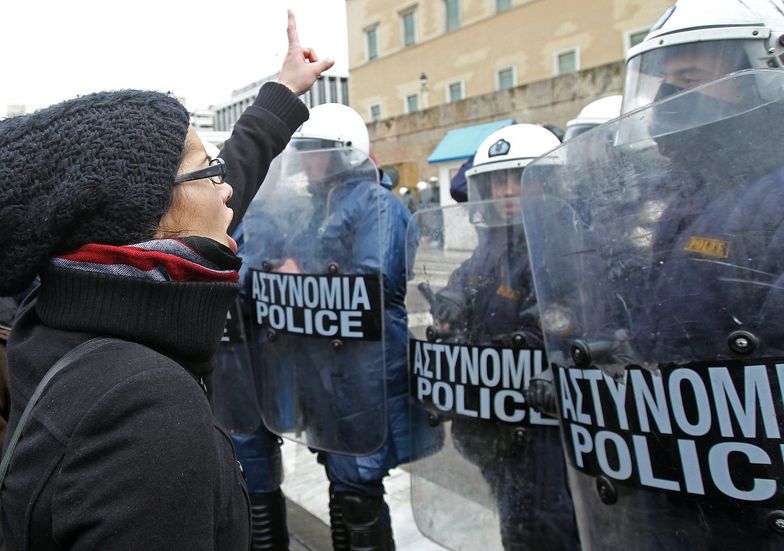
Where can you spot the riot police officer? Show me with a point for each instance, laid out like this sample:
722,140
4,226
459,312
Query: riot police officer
334,366
667,376
692,50
488,305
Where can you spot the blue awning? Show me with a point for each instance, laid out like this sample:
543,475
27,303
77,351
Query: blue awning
461,143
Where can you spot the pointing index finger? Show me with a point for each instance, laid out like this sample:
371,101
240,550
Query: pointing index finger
291,30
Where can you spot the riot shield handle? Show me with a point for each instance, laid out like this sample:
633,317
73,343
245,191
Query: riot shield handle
511,340
271,264
582,352
775,522
606,491
743,342
610,355
435,334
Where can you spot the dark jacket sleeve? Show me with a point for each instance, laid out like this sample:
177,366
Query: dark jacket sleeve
259,135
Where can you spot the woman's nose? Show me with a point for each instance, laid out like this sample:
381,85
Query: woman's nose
226,191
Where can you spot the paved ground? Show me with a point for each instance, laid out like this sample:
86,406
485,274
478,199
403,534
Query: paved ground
464,520
307,532
306,489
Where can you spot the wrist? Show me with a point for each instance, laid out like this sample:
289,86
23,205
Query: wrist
280,100
293,89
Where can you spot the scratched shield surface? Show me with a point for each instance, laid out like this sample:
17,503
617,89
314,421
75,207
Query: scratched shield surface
658,242
314,286
488,470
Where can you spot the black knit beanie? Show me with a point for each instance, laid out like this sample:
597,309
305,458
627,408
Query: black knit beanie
96,169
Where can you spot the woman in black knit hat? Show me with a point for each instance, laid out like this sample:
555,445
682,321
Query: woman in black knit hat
112,201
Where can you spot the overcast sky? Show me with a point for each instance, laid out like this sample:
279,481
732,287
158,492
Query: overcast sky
52,50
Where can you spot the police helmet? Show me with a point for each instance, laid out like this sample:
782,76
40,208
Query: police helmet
494,180
695,42
332,125
336,132
502,156
592,115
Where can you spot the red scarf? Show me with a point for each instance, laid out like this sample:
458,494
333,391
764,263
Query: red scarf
158,259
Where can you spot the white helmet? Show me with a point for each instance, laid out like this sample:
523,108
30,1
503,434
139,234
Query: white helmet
595,113
332,125
508,149
717,37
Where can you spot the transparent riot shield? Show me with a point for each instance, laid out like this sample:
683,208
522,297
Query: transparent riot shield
658,240
313,249
488,470
233,387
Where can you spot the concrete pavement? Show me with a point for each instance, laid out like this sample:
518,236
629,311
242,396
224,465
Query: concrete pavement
307,492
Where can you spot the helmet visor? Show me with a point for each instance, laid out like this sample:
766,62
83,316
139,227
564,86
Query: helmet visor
495,184
326,164
655,74
312,144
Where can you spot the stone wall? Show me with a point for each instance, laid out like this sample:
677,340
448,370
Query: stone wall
406,141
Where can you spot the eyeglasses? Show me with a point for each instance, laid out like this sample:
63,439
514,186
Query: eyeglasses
216,172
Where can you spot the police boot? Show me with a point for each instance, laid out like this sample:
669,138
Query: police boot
340,536
367,519
268,521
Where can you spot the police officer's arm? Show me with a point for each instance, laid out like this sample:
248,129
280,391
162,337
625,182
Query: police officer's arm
769,328
540,393
528,321
449,304
356,224
265,127
359,235
400,246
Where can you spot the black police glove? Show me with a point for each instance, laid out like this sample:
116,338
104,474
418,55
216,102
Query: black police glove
449,306
540,394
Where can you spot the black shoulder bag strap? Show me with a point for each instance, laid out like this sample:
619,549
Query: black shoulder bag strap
81,350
